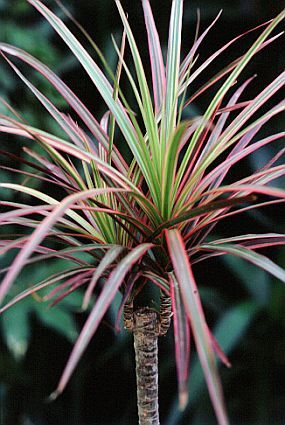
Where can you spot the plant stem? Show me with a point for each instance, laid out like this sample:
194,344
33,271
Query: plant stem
146,323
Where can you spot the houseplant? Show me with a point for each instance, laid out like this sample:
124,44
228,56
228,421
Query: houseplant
148,219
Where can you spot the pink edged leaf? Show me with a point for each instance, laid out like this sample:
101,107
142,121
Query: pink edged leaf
68,283
229,67
169,169
158,280
131,135
253,184
156,58
194,310
247,254
220,171
190,56
127,293
67,253
49,141
235,107
54,112
83,226
225,141
182,341
143,99
7,244
21,212
248,188
104,122
39,234
272,161
254,241
137,223
225,71
112,126
246,139
172,66
47,253
38,177
70,97
46,166
8,125
222,120
207,224
218,350
193,213
262,177
250,241
221,93
104,264
253,106
110,289
51,280
77,284
14,127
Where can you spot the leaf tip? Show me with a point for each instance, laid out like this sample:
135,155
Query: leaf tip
53,396
183,400
83,307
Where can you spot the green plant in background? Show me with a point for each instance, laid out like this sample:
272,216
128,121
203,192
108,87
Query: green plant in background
150,219
17,28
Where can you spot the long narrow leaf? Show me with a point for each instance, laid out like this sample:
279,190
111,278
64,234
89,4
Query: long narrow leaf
39,234
138,149
156,58
182,341
69,96
172,68
51,280
169,169
106,261
190,56
249,255
49,200
147,109
106,297
105,168
194,310
193,213
225,87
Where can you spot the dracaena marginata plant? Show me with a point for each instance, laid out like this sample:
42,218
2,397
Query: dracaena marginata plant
148,220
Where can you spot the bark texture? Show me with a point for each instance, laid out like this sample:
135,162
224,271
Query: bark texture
165,313
145,329
129,316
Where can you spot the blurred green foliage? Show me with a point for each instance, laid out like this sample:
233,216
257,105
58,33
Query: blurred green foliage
16,320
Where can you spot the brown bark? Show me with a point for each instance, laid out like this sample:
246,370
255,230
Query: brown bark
147,325
165,313
145,329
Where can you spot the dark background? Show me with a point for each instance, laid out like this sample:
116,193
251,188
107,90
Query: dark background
244,305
